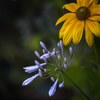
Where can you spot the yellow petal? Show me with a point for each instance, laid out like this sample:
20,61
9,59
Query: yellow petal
67,34
61,32
89,37
71,7
65,17
94,27
95,18
78,31
66,23
66,26
68,38
84,2
80,2
95,10
92,2
69,27
92,5
61,19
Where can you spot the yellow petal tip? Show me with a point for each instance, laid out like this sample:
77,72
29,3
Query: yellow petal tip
63,6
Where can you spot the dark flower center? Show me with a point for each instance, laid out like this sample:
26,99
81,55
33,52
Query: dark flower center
82,13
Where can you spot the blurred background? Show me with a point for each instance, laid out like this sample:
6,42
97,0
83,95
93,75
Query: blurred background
23,24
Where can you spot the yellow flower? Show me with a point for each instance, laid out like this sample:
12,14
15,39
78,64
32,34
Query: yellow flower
83,16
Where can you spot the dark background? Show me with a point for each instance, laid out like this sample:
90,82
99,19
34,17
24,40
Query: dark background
23,23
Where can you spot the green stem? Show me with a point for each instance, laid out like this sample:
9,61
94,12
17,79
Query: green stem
76,86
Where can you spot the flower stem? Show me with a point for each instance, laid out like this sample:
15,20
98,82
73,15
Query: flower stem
87,97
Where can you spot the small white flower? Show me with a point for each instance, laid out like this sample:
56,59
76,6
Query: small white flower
53,88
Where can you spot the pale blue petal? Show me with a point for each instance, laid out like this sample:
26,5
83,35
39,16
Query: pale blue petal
37,63
40,72
65,59
45,70
58,44
70,50
65,66
47,55
30,69
29,80
37,54
42,64
53,52
61,85
43,46
61,46
53,88
52,79
43,51
58,56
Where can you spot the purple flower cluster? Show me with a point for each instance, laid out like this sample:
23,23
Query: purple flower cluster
57,62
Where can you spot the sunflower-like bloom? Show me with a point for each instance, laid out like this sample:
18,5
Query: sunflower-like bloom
83,16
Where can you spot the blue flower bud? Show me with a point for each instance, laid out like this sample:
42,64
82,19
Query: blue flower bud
61,46
71,50
65,66
37,54
40,72
53,88
43,46
30,69
52,79
61,85
29,80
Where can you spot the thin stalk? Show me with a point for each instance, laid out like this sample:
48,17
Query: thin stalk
87,97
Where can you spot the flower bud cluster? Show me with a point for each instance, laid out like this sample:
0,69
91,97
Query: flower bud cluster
53,63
